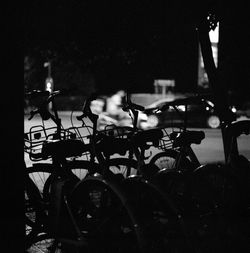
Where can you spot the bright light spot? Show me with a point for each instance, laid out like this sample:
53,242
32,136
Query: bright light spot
49,87
49,84
214,34
233,109
181,108
143,116
210,103
153,120
96,106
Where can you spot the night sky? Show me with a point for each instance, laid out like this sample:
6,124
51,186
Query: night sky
158,36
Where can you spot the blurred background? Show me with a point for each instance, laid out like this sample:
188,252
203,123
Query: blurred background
149,47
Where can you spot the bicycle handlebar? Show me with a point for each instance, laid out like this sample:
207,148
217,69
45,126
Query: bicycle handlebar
33,113
237,128
37,94
132,106
45,97
86,109
129,105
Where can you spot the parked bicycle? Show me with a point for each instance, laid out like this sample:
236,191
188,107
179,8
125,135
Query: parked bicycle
62,226
161,223
204,193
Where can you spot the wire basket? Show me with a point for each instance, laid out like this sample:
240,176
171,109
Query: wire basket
35,138
165,142
82,133
117,131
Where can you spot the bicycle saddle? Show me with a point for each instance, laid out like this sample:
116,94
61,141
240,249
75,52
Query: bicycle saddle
153,136
237,128
188,138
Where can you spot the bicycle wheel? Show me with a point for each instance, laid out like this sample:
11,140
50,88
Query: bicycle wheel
33,211
168,160
194,197
41,172
45,243
218,201
37,191
105,217
164,227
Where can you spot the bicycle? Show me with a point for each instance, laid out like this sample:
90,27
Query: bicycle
46,227
58,187
201,192
237,166
39,172
175,152
230,184
154,220
155,209
108,184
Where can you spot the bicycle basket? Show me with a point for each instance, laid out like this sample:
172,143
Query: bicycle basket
117,131
82,133
165,142
34,139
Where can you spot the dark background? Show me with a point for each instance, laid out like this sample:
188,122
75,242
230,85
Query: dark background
109,45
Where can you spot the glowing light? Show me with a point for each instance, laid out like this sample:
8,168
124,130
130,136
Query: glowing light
214,34
181,108
234,109
48,87
49,84
153,121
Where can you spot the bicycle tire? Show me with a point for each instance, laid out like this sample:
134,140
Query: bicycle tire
105,215
41,172
164,227
46,243
40,175
167,160
194,197
33,213
39,178
212,195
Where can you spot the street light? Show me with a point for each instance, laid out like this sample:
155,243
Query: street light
49,85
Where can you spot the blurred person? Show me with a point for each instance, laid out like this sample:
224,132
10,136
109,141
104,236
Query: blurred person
114,103
97,106
114,114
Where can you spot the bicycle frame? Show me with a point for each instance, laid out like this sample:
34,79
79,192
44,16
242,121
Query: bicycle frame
61,179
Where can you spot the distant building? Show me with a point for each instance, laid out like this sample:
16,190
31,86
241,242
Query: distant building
162,86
